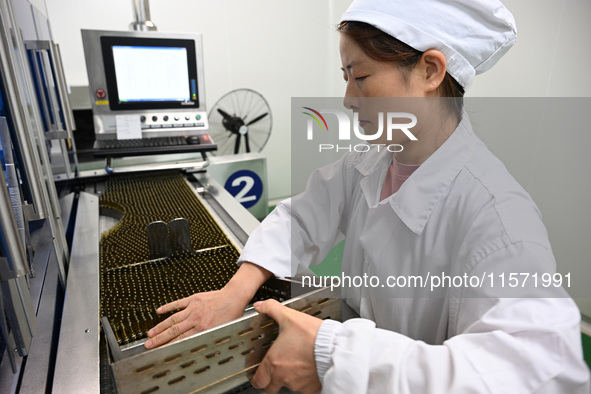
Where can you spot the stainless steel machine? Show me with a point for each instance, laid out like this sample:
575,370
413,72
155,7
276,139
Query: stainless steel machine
177,263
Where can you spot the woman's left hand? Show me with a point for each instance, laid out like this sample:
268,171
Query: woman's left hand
290,361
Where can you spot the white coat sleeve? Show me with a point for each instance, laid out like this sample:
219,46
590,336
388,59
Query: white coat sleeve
302,230
502,345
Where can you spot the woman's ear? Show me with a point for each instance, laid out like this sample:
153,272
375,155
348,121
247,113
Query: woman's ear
432,67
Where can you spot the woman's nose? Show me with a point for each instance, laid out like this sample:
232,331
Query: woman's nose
351,99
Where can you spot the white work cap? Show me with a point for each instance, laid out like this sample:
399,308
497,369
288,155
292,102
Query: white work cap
472,34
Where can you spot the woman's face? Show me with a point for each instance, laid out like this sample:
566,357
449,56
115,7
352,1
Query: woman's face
367,77
368,84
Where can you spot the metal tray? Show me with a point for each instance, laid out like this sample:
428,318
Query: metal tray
214,361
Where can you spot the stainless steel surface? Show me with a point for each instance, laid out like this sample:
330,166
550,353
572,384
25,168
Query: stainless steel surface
20,314
26,120
158,241
43,65
18,320
79,98
15,263
77,361
62,87
11,368
97,167
14,90
141,13
12,180
231,215
40,359
66,206
215,360
114,349
43,287
43,160
194,165
180,236
67,113
7,337
31,135
38,74
53,101
30,303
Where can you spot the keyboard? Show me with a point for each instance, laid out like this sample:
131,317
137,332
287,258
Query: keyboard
153,146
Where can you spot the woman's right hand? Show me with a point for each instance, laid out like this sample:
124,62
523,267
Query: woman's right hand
198,312
202,311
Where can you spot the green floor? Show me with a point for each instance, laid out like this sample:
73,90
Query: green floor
587,349
331,265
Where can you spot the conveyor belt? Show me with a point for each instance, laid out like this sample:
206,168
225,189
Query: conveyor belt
132,285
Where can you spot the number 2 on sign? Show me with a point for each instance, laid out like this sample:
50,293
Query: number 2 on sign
242,194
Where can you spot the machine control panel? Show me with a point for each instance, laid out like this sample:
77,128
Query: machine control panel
159,123
163,120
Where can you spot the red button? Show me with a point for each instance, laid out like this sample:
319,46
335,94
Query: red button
100,93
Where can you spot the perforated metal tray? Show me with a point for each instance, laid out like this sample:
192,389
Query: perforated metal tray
216,360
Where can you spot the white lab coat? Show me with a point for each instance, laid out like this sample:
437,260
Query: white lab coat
460,213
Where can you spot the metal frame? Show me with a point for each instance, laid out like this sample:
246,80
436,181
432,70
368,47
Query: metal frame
17,315
14,264
25,117
37,208
48,72
194,165
77,360
43,289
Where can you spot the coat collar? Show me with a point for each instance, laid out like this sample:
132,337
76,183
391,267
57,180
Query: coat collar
419,194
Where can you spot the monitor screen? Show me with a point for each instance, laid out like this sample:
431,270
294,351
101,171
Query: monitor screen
150,73
166,78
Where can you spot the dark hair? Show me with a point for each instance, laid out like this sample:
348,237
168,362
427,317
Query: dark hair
383,47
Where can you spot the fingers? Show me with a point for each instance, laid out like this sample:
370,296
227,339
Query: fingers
173,306
273,309
262,379
170,329
166,324
284,364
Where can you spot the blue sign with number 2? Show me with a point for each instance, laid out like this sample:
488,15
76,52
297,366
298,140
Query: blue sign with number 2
246,186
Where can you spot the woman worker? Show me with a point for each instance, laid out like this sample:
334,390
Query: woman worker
444,204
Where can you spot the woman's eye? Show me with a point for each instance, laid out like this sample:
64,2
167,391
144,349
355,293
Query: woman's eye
359,79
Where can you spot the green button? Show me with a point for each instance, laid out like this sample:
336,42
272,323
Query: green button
198,117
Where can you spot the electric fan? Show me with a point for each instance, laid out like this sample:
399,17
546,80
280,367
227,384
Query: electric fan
240,122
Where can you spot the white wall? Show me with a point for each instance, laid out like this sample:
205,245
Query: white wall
550,160
287,49
553,40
